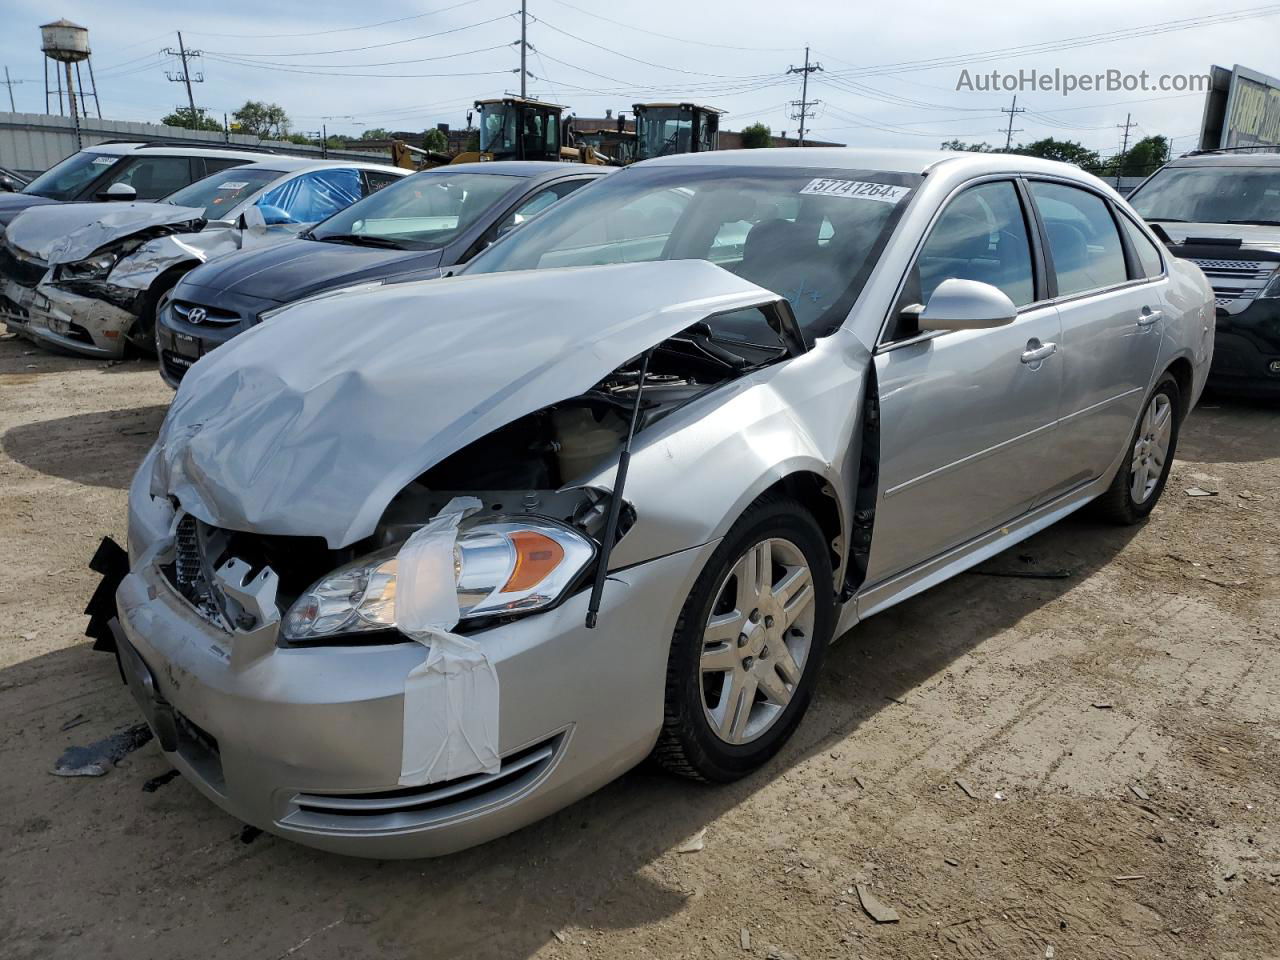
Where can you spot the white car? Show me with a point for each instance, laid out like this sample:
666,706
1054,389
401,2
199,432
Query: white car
87,277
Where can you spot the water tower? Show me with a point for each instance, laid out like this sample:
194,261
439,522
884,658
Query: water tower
67,43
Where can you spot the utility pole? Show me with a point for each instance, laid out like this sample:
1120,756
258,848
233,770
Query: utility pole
10,83
524,44
1124,146
185,76
71,102
1013,110
803,102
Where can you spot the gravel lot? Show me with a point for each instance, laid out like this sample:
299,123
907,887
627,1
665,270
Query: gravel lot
1117,728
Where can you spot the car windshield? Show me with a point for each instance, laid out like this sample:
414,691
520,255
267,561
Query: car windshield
1211,195
421,212
809,235
65,180
222,191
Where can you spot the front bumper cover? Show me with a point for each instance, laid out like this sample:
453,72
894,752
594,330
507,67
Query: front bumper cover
1246,346
306,742
50,315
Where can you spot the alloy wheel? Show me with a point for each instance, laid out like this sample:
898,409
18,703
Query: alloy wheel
756,640
1152,448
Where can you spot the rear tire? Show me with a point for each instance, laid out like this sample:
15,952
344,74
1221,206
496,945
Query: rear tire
748,645
143,335
1142,475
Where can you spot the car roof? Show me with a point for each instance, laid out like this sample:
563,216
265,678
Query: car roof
119,149
874,160
288,164
1227,159
519,168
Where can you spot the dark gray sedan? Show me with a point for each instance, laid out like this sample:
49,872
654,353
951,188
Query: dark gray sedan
411,230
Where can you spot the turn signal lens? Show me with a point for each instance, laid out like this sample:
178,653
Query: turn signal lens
536,557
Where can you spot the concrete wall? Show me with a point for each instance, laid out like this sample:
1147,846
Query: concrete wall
34,142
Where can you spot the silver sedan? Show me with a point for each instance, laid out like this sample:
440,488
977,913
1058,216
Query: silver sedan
411,567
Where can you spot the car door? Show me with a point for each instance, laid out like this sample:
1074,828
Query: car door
966,416
1111,319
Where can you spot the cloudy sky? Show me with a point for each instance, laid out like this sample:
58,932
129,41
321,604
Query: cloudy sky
890,70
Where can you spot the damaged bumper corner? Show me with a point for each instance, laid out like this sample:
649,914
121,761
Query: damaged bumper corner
47,314
306,742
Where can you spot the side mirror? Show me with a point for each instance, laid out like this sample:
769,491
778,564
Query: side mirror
967,305
8,185
118,191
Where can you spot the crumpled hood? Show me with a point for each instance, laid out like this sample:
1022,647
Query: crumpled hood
289,271
66,232
309,424
1249,235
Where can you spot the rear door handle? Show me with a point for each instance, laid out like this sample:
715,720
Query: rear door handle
1037,351
1148,316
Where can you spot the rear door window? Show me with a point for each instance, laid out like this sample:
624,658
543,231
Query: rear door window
1149,263
1084,243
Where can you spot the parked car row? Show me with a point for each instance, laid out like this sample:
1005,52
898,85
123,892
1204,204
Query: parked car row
419,559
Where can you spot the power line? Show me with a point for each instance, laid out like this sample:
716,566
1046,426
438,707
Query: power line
1048,46
320,33
374,76
647,63
371,46
667,36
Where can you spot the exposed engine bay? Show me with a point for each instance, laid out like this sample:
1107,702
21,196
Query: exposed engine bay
527,468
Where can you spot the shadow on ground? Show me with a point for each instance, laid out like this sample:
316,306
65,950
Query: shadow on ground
585,866
66,447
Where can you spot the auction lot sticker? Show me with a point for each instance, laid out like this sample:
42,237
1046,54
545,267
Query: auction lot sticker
860,189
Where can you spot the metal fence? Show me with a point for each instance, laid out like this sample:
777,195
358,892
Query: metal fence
33,142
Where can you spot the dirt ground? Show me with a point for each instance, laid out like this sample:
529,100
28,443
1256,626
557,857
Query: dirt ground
1117,729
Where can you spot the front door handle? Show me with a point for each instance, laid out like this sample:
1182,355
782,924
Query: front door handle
1037,351
1148,316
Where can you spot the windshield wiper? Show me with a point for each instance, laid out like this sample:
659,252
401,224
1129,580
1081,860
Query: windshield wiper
1256,223
359,240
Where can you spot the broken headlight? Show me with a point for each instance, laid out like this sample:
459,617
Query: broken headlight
500,566
91,268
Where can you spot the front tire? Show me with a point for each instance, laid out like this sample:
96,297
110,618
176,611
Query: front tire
748,645
1142,476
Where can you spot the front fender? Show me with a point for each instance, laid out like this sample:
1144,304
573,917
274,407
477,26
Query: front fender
699,470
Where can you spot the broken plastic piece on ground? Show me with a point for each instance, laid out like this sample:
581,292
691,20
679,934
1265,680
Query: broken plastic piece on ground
876,910
97,758
694,843
1200,492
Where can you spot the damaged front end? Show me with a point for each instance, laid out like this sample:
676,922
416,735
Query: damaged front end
362,562
80,301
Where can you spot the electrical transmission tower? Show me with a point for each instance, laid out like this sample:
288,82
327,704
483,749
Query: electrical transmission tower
804,104
185,76
1012,111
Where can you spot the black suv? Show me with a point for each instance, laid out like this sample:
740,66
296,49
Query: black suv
1221,211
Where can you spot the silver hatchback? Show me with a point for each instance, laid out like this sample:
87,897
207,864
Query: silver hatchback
400,586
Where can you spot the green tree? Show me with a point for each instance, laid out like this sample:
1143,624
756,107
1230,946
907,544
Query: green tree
1067,151
963,147
191,119
1141,159
375,133
262,120
755,136
435,140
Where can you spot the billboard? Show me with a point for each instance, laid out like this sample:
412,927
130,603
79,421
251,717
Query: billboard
1241,110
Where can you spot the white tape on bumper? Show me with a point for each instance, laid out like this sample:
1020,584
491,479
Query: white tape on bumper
451,699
